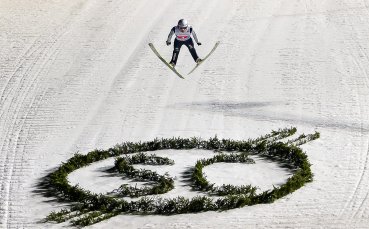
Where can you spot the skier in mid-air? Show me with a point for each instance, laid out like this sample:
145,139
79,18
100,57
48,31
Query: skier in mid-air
183,34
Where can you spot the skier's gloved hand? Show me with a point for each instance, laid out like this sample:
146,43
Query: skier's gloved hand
198,43
168,42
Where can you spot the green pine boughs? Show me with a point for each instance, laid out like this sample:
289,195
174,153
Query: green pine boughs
200,182
163,183
87,208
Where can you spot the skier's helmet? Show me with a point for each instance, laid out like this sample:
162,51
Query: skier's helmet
182,24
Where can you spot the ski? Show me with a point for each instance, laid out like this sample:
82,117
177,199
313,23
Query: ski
164,61
202,61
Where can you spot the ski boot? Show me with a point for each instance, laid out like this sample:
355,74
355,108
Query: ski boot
173,65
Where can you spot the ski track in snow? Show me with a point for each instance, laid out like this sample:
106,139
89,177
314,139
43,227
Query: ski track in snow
78,75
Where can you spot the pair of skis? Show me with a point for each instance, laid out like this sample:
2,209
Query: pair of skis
173,69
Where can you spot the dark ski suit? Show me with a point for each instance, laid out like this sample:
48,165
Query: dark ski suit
183,38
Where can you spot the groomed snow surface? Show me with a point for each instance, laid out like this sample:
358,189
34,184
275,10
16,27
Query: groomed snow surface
79,75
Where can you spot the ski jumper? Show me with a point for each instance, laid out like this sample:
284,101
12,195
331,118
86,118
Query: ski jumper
183,38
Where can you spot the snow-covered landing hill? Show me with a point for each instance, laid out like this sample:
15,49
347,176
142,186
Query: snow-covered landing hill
78,75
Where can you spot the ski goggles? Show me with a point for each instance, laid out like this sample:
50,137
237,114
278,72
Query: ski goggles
183,28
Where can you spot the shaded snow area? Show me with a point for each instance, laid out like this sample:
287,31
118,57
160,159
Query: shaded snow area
78,75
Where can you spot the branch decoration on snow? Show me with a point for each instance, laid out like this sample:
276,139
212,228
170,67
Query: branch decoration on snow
89,208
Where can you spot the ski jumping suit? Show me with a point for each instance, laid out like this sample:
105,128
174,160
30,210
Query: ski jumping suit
183,38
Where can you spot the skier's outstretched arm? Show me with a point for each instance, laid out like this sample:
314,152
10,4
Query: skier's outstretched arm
170,36
195,37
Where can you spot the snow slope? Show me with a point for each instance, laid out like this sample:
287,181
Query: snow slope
78,75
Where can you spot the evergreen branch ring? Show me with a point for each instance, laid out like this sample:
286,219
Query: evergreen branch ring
89,208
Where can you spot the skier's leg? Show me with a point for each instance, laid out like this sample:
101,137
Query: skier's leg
191,48
177,48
